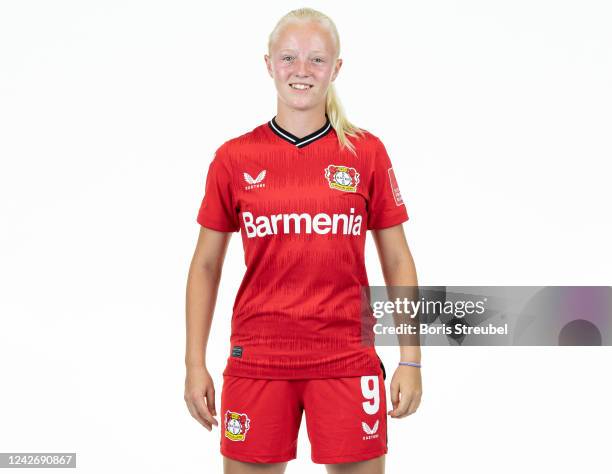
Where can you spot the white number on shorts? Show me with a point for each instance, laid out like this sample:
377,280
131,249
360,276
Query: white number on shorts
371,394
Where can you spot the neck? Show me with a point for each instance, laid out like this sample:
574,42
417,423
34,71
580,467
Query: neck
301,123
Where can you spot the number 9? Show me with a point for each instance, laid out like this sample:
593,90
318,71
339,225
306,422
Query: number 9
371,394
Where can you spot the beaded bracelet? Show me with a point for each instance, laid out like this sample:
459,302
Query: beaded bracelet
412,364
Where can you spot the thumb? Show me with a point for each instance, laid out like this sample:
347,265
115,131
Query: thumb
394,389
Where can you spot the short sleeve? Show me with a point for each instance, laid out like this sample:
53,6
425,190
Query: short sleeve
386,207
217,210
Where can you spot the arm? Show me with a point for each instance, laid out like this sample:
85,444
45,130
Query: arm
202,285
399,270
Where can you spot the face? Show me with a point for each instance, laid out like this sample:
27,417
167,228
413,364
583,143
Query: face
303,53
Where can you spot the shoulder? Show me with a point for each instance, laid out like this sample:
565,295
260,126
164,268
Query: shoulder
368,146
366,140
371,148
368,134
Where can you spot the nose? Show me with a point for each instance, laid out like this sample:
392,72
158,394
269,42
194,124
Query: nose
301,68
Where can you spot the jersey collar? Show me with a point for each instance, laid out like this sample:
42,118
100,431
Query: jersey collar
300,142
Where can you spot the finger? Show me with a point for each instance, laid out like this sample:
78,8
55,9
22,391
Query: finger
189,400
402,409
394,391
194,412
414,405
210,402
203,411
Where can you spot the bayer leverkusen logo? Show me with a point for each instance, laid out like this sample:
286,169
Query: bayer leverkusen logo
341,177
236,425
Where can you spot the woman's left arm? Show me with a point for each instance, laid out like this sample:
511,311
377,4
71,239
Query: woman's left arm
399,270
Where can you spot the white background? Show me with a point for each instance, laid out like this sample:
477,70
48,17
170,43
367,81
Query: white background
496,115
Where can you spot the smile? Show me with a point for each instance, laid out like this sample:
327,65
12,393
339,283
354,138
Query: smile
300,86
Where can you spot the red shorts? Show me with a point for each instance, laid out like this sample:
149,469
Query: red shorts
346,418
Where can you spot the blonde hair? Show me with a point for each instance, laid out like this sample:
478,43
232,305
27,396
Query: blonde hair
333,106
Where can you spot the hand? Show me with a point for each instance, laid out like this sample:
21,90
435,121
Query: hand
407,382
200,396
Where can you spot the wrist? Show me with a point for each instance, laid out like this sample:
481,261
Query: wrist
410,354
195,365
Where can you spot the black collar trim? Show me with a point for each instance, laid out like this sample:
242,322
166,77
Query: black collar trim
300,142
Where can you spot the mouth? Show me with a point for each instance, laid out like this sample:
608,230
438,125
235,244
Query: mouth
296,86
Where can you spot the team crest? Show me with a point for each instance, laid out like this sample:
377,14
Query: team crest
236,425
343,178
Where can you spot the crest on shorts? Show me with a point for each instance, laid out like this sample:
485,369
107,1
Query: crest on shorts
343,178
236,425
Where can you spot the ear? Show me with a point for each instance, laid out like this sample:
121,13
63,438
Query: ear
268,62
336,69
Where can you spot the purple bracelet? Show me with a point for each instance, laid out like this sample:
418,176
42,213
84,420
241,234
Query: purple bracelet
412,364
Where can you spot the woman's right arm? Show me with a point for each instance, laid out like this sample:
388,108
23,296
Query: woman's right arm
202,285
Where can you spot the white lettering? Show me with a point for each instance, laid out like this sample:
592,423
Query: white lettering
263,226
247,218
296,217
294,223
319,221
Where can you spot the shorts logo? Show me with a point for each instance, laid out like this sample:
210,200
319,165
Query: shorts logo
367,429
255,182
370,432
395,188
343,178
236,425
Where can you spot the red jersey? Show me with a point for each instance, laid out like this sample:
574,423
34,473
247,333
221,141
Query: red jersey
303,207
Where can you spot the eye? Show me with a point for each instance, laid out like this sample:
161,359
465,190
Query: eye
286,57
320,60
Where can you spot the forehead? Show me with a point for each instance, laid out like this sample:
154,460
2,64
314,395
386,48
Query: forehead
311,37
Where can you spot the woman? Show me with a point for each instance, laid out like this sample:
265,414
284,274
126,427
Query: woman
303,195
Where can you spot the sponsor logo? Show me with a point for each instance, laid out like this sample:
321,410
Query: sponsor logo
395,188
371,433
343,178
236,425
261,226
255,182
